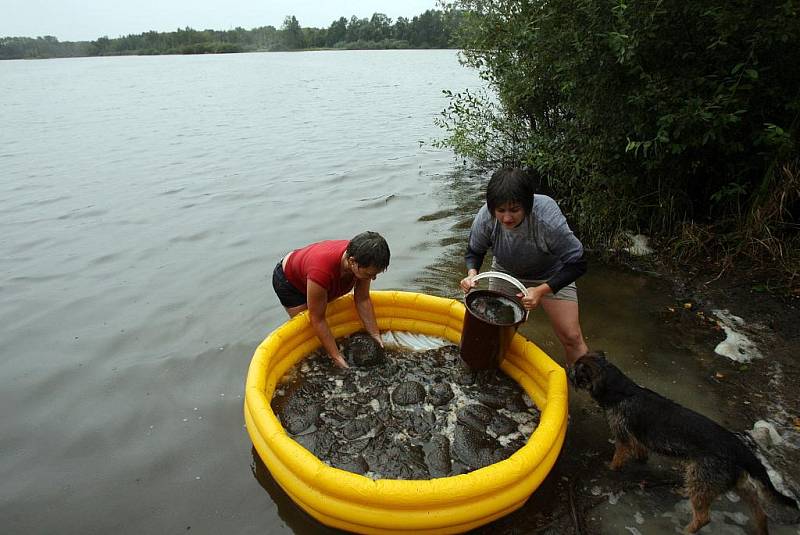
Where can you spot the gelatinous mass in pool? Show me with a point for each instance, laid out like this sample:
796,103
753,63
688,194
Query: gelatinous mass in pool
403,414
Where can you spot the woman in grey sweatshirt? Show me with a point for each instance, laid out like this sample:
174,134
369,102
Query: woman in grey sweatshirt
530,240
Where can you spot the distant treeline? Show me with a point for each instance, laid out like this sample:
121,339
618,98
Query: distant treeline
432,29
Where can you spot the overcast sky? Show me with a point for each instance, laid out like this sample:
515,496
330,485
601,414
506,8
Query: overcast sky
86,20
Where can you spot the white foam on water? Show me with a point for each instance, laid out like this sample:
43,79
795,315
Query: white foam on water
737,517
459,400
638,245
527,429
736,346
526,424
400,437
412,341
523,418
490,432
775,477
505,440
765,433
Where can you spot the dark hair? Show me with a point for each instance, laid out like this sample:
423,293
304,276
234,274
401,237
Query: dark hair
510,184
369,249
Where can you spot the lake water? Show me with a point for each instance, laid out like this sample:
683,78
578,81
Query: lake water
144,202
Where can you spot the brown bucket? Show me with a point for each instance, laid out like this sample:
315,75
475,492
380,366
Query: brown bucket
491,321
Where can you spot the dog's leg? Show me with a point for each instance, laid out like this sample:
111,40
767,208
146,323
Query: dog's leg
639,451
701,503
622,452
706,479
750,496
625,444
700,493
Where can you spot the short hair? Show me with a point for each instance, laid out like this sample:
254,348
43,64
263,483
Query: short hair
369,249
510,184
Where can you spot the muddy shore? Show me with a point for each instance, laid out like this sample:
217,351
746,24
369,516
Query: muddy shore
583,496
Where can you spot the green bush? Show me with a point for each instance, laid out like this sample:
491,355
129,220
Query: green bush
642,115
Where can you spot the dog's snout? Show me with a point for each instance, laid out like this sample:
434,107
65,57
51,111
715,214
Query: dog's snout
571,375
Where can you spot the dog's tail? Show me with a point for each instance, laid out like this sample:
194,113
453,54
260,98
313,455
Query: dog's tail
777,506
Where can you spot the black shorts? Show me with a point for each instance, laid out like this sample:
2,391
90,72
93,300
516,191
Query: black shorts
288,295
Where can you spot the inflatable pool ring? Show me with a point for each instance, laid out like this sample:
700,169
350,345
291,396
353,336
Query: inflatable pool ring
357,503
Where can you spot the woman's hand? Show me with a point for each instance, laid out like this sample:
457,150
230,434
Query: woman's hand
377,338
468,282
534,297
338,361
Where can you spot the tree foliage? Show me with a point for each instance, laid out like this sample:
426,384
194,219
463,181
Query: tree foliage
291,34
40,47
431,29
642,114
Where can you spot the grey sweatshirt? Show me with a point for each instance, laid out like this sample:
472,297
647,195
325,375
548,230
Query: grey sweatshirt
542,247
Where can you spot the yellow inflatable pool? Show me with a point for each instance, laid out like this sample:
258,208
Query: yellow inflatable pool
357,503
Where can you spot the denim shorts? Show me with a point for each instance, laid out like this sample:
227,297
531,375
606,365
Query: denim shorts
288,295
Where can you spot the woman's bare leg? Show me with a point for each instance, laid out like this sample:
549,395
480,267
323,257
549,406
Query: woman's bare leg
564,318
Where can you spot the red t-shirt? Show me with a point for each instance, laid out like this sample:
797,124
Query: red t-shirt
320,262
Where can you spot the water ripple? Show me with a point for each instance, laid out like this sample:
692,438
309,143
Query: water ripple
135,267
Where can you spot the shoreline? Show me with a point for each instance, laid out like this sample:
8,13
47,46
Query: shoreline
762,384
220,53
760,398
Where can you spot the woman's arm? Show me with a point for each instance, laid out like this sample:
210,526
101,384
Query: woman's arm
479,242
317,304
365,310
563,243
569,273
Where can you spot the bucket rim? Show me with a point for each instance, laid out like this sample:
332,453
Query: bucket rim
470,296
504,276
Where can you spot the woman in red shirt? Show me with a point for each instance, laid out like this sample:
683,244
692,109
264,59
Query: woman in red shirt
311,277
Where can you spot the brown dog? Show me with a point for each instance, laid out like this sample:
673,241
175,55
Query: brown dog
715,459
